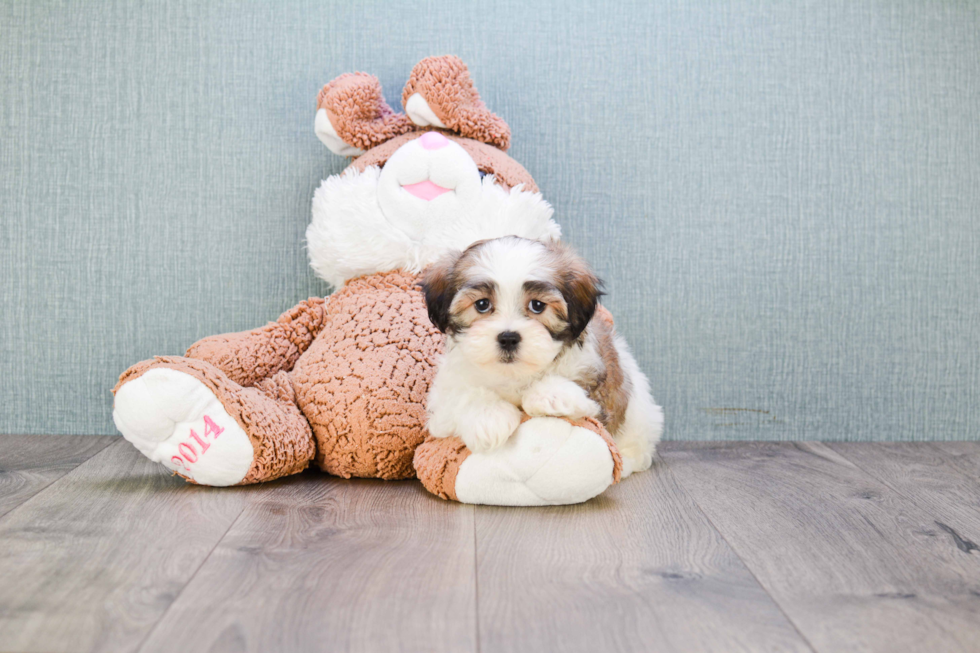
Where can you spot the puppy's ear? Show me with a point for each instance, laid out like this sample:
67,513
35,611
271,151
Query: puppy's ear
439,286
579,287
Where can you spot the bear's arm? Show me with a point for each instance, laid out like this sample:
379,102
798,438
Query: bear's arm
248,357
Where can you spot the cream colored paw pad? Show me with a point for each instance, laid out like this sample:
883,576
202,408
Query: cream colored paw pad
175,420
546,462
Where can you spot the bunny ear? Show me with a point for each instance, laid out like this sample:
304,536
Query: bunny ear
352,115
441,94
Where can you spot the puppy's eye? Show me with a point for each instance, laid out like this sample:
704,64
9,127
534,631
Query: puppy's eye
482,305
536,306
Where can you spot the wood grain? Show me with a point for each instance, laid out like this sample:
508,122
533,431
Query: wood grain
725,546
638,568
854,564
94,561
30,463
942,478
326,564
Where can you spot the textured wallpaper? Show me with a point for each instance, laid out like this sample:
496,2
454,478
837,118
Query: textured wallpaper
783,198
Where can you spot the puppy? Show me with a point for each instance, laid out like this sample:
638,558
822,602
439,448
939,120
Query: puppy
522,333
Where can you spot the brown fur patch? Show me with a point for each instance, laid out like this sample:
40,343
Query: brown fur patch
579,286
555,315
440,284
462,311
609,387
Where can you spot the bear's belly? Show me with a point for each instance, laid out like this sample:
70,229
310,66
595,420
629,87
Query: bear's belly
363,382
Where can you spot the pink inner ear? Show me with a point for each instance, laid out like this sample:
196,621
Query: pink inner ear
426,190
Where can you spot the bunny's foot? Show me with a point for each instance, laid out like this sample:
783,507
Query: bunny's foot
189,416
548,461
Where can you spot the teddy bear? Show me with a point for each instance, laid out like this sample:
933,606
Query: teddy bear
341,382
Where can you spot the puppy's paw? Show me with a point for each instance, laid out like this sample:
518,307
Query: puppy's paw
558,398
490,426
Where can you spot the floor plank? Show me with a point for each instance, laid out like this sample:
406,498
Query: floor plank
638,568
863,547
943,478
854,564
30,463
94,561
326,564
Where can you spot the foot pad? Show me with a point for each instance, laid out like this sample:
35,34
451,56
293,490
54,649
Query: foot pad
548,461
175,420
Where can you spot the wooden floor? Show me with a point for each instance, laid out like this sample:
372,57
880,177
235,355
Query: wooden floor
721,547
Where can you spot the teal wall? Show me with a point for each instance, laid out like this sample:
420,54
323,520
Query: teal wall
783,197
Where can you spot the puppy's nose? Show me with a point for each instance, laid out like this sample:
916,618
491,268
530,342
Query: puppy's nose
433,140
509,340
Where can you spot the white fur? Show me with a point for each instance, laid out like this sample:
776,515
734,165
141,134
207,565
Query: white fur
637,438
557,395
490,420
365,222
509,263
474,379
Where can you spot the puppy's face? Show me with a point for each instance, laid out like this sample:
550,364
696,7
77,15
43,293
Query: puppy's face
511,304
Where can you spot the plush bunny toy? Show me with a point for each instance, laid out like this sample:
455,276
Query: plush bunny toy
343,382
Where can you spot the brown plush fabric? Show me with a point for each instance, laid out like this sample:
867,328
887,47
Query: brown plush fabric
364,381
437,462
509,173
445,84
358,111
358,392
268,414
248,357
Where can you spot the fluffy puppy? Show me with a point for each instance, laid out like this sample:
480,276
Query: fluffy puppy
522,333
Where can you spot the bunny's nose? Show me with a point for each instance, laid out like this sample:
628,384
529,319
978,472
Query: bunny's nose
433,140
